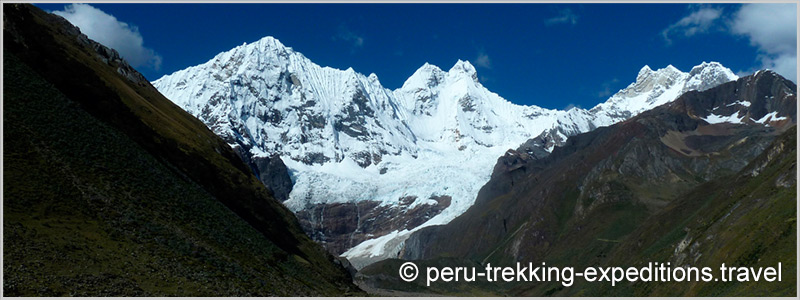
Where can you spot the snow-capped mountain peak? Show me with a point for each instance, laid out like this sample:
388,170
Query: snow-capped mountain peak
424,149
426,76
269,42
648,80
708,75
373,78
655,88
464,67
644,71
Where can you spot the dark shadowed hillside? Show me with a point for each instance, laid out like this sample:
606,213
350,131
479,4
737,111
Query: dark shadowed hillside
112,190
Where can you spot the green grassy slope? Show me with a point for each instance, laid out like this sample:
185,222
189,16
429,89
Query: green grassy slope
110,189
740,220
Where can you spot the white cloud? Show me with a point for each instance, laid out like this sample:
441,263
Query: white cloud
606,90
109,31
699,21
483,60
770,27
348,35
564,16
784,64
773,29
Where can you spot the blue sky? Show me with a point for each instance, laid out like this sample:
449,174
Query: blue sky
551,55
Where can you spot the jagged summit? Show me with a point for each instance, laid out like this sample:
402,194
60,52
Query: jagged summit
706,66
466,68
708,75
372,77
649,80
646,68
269,42
654,88
427,75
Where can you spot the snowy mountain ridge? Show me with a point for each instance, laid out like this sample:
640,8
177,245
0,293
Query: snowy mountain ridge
655,88
347,139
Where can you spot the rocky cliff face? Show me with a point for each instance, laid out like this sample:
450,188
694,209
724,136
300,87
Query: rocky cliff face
272,172
341,226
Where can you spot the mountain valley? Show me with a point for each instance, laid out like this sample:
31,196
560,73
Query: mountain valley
262,173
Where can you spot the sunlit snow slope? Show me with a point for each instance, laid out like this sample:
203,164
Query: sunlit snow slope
387,162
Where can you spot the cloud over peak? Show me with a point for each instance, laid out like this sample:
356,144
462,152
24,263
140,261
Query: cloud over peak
345,34
699,21
483,60
770,27
107,30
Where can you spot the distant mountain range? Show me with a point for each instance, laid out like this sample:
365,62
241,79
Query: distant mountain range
370,165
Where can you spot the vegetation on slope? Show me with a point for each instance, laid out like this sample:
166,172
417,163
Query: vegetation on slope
743,220
110,189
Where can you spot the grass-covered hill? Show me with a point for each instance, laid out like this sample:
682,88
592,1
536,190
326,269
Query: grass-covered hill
109,189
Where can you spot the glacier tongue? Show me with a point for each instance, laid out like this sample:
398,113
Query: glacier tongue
347,139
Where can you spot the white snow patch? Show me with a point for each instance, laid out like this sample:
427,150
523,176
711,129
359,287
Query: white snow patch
742,103
770,117
717,119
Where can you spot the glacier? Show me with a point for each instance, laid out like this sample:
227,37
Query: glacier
345,138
